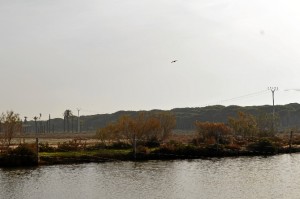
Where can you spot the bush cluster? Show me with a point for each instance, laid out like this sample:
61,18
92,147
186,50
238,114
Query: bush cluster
68,146
23,155
262,146
45,147
119,145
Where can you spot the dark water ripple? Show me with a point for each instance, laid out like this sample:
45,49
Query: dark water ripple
245,177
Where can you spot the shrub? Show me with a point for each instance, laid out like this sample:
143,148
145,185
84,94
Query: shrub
188,150
68,146
153,142
172,145
262,146
23,155
234,147
120,145
44,147
96,147
142,149
213,148
197,141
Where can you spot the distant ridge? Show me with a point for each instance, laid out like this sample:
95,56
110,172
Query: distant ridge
289,116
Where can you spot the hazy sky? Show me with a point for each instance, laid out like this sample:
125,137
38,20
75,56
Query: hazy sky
110,55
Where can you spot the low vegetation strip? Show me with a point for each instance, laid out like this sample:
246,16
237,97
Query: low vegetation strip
25,155
161,153
148,137
102,155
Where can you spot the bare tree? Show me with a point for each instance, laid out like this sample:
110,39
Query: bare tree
11,124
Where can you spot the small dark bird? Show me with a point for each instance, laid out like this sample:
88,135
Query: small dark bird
174,61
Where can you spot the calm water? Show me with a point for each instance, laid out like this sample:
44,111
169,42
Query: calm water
255,177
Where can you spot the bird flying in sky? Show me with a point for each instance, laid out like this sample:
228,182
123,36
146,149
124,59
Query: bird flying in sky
174,61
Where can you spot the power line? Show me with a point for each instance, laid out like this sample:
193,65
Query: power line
78,120
273,89
292,89
262,92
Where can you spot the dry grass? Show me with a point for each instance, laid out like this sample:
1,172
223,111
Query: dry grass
183,138
89,138
54,138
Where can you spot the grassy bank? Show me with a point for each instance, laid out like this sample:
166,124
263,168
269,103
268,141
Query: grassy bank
183,152
73,152
103,155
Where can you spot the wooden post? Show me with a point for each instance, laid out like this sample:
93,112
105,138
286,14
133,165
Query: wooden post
218,140
49,125
291,141
37,149
134,146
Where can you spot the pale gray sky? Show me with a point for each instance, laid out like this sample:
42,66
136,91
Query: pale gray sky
110,55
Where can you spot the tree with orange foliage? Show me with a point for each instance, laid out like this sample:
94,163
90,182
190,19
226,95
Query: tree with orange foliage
244,125
167,123
107,133
211,130
143,127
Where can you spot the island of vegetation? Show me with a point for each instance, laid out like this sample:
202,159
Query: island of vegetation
147,136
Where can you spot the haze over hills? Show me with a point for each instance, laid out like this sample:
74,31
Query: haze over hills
289,115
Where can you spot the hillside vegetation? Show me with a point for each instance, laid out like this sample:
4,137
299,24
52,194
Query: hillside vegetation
288,117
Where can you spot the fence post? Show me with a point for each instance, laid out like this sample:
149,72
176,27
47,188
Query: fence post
37,149
134,146
291,141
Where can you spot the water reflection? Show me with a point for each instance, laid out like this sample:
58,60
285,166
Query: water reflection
253,177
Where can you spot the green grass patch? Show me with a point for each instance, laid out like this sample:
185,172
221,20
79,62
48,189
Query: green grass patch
70,157
101,152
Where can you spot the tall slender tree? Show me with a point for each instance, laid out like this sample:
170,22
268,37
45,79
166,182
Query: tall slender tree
35,122
245,124
67,114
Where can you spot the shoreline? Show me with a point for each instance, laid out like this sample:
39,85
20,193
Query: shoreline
56,160
27,157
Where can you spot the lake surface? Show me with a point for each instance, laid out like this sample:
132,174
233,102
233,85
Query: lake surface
244,177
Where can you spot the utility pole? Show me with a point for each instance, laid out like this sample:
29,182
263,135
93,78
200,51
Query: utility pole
78,120
49,125
25,124
41,124
291,141
273,89
36,138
